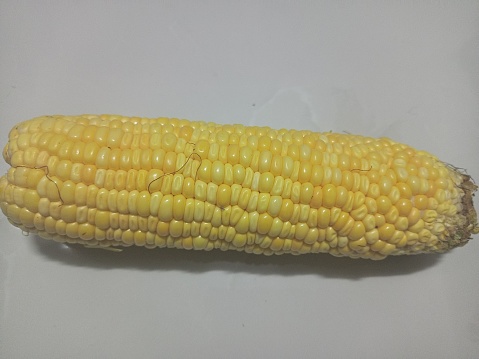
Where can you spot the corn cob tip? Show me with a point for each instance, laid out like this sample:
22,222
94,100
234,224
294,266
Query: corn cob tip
467,225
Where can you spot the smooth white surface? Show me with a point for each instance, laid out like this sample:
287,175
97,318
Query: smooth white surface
408,70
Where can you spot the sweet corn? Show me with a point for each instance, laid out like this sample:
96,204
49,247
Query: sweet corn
111,181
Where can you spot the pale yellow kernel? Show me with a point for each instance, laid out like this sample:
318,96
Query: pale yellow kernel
358,245
392,215
364,184
429,216
369,222
397,237
374,190
278,186
235,194
331,237
274,206
424,236
200,191
417,227
209,211
248,179
168,142
341,196
432,203
253,221
199,211
359,213
253,201
211,192
359,199
265,221
387,249
143,203
244,198
263,202
438,229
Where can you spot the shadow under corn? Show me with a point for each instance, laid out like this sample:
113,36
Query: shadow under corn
324,265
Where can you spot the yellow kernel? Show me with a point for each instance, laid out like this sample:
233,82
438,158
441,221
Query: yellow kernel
166,208
245,156
372,236
264,160
385,185
266,181
414,184
324,217
387,249
359,213
329,195
286,211
403,206
341,196
263,202
306,193
217,172
392,215
369,222
420,202
341,221
384,204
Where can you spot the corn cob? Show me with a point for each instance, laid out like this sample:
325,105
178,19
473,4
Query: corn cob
111,181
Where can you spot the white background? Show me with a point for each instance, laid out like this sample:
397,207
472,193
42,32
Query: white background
403,69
